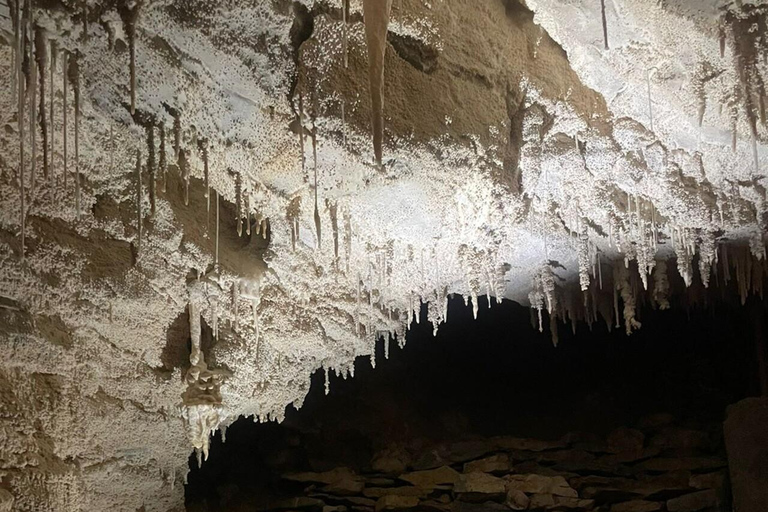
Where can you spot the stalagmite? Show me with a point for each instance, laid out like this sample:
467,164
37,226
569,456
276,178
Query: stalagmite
605,24
41,56
139,226
376,14
163,159
65,66
151,164
74,76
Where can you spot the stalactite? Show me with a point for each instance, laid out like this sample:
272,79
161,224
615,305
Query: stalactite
183,164
65,66
584,256
605,24
129,12
139,216
345,36
151,166
376,14
333,210
32,92
318,229
202,145
216,260
661,285
54,49
239,203
707,257
176,134
14,10
248,213
650,103
41,56
621,283
21,80
163,159
74,77
301,134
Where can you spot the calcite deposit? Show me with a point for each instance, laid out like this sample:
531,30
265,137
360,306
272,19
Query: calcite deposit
283,182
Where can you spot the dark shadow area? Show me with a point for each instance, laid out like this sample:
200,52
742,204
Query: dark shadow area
497,376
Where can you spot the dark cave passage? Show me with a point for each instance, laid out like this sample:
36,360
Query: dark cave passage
620,419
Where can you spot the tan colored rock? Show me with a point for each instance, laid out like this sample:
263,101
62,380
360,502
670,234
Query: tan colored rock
395,502
567,503
494,463
637,506
708,480
694,501
479,483
680,438
626,440
378,492
6,501
335,508
345,487
533,445
327,477
556,485
432,477
517,500
298,503
689,463
392,461
542,501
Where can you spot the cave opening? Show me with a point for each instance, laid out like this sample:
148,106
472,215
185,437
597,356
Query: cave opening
489,415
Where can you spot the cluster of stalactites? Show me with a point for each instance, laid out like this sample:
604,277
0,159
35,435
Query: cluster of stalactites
201,406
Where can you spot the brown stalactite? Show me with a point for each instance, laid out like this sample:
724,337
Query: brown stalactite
376,13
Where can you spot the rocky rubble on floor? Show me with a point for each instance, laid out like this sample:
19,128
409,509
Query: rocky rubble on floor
656,466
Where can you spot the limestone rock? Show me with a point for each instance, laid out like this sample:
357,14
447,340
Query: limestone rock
378,492
517,500
542,501
493,464
626,440
298,503
533,445
392,461
747,444
556,485
6,501
488,506
334,508
708,480
327,477
690,463
693,502
432,477
395,502
476,485
637,506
